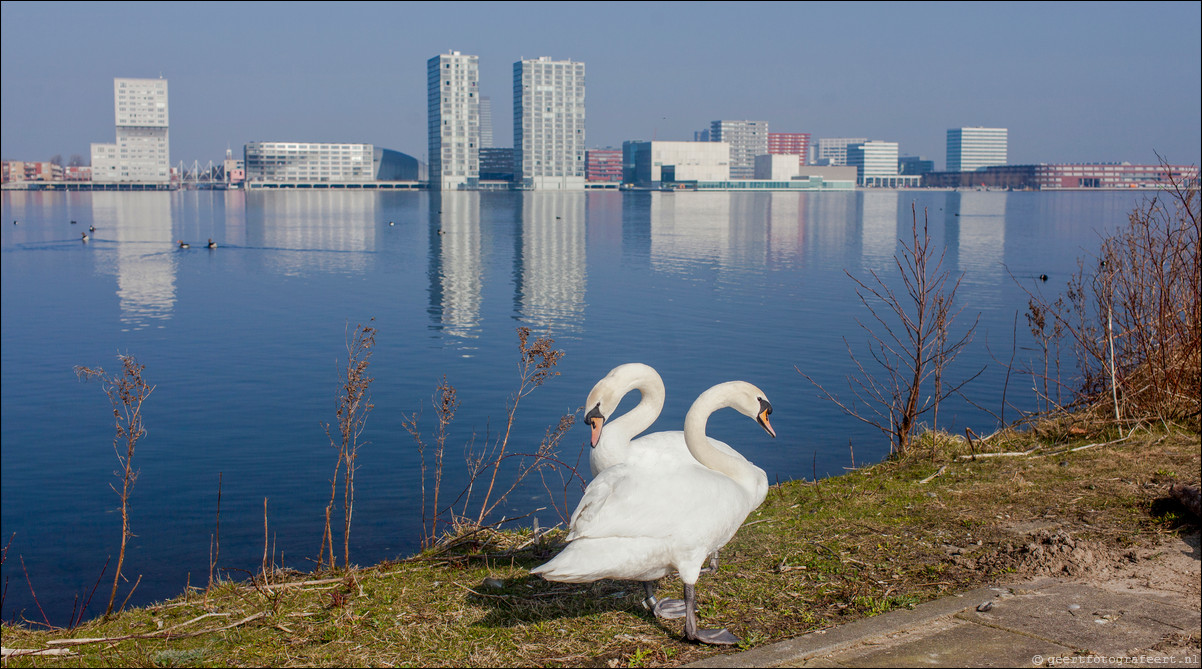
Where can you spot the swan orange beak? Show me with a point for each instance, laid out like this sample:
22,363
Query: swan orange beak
762,417
595,421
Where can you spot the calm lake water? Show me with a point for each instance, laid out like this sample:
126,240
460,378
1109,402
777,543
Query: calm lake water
243,344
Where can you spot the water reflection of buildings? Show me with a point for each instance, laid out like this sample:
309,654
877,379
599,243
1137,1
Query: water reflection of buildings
976,235
140,224
878,219
456,263
313,231
550,263
726,230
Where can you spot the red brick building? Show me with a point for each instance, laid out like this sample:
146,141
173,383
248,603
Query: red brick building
603,165
790,142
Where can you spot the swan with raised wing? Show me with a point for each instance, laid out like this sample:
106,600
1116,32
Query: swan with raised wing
656,513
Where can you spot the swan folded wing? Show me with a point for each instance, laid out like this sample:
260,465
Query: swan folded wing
625,558
678,502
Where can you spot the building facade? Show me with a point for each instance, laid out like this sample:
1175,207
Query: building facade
833,150
486,140
496,164
305,162
915,165
1112,176
453,120
777,166
603,165
548,124
142,151
747,139
649,164
876,165
970,149
790,143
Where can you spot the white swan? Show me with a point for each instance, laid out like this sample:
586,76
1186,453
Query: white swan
655,513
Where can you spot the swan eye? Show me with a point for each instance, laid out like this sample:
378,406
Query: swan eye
765,406
594,414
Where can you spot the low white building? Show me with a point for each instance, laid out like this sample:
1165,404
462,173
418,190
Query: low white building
648,164
308,162
777,166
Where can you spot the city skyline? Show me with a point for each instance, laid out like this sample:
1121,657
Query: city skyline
1119,82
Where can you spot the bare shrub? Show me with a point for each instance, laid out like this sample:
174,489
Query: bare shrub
352,407
126,393
1133,321
911,343
536,365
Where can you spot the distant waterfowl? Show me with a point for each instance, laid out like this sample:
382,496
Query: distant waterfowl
390,223
91,228
85,236
14,221
72,222
183,244
212,244
1043,277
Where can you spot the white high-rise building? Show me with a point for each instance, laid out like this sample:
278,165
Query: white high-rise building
747,139
453,120
548,124
833,150
142,150
971,149
873,160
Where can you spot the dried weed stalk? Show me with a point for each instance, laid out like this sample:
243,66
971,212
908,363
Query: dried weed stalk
126,392
352,407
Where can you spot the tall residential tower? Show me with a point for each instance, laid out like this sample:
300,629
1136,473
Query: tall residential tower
548,124
971,149
142,151
453,120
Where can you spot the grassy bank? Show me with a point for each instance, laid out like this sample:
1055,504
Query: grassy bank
945,519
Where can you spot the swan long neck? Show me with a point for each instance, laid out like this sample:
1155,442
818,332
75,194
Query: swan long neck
699,445
638,419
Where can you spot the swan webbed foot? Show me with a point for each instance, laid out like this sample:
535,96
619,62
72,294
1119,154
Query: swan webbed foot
712,567
715,637
669,609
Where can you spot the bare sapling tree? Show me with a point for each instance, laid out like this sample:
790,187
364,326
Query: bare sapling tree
911,343
126,392
353,404
1134,320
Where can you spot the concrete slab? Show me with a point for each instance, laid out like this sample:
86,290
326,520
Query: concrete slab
826,642
1046,622
957,644
1088,619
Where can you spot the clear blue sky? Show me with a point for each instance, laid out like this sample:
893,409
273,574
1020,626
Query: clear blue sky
1073,82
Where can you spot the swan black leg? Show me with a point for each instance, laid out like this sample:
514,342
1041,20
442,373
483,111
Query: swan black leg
691,633
668,609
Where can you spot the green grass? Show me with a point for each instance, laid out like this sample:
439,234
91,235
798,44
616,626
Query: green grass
814,555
